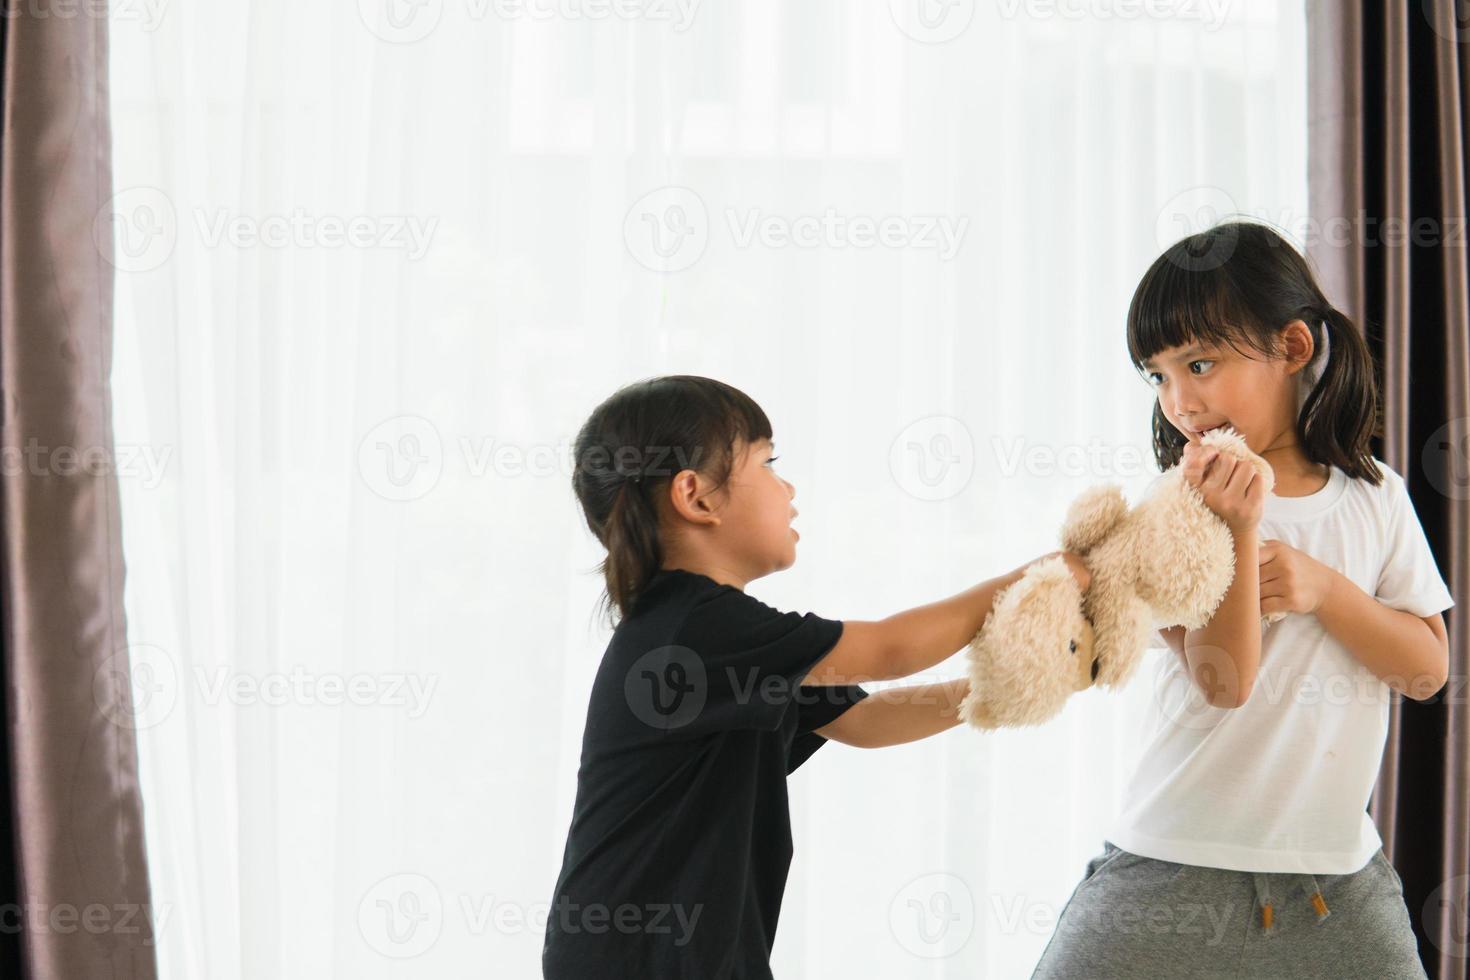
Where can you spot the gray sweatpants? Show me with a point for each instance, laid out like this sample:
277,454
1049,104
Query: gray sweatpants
1136,918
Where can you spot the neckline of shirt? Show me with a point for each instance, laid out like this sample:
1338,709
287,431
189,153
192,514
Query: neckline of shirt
1312,505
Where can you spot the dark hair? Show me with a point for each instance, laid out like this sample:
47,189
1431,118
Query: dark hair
633,445
1237,285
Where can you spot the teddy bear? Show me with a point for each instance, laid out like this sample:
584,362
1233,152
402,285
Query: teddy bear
1168,560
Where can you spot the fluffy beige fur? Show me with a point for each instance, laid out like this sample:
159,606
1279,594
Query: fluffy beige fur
1167,560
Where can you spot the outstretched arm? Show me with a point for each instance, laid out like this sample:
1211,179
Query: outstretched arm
899,715
917,639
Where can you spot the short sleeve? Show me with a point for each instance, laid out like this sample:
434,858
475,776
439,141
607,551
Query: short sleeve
1410,580
818,706
751,658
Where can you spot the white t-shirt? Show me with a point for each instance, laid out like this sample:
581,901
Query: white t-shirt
1282,783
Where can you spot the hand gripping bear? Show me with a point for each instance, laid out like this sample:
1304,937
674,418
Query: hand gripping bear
1168,560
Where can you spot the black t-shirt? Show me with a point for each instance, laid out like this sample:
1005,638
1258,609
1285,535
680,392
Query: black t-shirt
681,836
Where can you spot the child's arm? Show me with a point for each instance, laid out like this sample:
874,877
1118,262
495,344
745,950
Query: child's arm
916,639
1410,654
1224,656
898,715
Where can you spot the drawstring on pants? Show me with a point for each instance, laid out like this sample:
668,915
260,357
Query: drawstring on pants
1268,910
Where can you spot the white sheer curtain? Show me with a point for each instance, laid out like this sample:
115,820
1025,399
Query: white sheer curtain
377,262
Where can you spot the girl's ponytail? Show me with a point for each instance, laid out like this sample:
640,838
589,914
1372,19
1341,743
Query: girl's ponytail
634,553
1341,414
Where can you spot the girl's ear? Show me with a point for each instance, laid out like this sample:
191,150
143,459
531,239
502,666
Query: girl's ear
689,498
1296,345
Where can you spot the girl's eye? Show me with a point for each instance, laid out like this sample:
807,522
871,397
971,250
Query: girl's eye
1155,378
1202,370
772,460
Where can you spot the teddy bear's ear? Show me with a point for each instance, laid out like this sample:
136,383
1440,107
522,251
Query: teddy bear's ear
1092,517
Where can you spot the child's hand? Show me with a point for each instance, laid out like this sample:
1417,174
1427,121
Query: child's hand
1291,580
1075,565
1231,487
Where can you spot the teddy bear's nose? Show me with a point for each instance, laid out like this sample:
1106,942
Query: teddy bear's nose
1095,667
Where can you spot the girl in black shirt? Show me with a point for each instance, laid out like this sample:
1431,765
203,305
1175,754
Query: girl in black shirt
706,698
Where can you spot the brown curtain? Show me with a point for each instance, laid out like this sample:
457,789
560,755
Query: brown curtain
1388,166
75,828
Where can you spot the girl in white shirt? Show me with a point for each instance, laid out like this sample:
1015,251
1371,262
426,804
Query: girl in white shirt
1244,848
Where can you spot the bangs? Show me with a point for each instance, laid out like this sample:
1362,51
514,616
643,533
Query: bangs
747,420
719,417
1182,300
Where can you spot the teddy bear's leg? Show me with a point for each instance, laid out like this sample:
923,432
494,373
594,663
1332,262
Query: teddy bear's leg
1182,555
